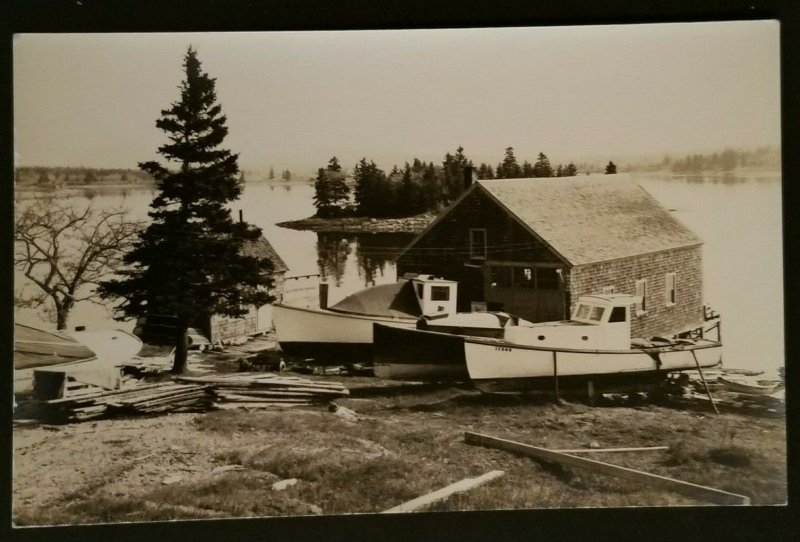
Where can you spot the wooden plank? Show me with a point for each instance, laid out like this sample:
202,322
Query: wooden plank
604,450
685,488
231,406
441,494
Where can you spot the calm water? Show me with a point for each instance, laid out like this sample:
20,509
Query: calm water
738,218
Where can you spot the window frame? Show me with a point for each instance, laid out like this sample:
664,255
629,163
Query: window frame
641,307
670,290
473,246
437,289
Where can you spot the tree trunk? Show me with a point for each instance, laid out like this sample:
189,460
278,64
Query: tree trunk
181,348
61,317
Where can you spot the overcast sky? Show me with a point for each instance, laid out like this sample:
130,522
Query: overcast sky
294,99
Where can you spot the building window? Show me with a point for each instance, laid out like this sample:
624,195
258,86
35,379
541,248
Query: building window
669,288
641,291
547,279
477,243
440,293
502,277
524,277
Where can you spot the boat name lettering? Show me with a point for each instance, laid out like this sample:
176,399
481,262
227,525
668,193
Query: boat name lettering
503,348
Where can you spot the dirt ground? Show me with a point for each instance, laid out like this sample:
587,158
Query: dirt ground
401,446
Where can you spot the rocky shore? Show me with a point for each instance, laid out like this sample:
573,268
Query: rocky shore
410,224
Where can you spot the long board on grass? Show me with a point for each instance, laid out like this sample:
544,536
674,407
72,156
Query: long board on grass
445,492
692,490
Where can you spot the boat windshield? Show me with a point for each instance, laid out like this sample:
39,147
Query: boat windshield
590,312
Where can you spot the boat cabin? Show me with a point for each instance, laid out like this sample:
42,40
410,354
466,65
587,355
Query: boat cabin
436,296
599,322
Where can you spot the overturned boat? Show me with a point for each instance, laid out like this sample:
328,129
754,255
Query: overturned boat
593,346
343,332
37,349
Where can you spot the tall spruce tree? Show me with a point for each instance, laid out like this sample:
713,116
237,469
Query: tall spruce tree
542,167
509,168
330,189
189,262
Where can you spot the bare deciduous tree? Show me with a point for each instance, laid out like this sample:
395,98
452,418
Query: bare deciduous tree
61,248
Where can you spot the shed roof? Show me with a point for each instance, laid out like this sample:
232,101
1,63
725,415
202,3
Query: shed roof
591,218
261,248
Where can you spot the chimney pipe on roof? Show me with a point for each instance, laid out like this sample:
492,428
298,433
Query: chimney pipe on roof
241,215
467,176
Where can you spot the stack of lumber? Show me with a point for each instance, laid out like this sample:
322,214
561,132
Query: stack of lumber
147,399
267,390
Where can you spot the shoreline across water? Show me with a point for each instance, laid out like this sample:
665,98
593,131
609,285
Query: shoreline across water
410,224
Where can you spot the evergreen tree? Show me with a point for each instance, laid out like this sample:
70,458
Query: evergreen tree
453,173
409,196
527,169
373,192
44,178
570,170
611,168
189,261
542,167
560,171
485,171
330,189
509,168
271,173
431,188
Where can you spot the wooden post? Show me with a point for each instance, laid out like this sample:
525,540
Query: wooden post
692,490
323,295
705,385
590,391
555,376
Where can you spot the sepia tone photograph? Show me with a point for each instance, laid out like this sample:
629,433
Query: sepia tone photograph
323,273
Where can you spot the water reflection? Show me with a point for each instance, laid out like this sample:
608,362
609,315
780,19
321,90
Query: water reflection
374,254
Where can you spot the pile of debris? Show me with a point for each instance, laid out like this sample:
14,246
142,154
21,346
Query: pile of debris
267,390
146,399
191,394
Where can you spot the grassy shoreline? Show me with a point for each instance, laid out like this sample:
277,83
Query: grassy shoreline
223,463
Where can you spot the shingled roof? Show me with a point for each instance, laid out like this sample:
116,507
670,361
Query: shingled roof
590,218
261,248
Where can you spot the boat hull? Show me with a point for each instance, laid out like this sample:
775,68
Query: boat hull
503,366
92,354
413,354
327,335
732,384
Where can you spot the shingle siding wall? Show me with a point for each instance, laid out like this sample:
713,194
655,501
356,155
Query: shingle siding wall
222,328
659,319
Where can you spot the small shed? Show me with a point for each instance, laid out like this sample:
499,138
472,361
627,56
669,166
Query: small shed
258,319
532,246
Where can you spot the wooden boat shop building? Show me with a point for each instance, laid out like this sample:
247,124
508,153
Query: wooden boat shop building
532,246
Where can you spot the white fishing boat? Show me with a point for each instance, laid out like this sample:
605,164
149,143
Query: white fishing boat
91,353
343,332
594,345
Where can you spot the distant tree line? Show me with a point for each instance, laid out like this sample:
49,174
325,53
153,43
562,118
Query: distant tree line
727,160
53,176
415,188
